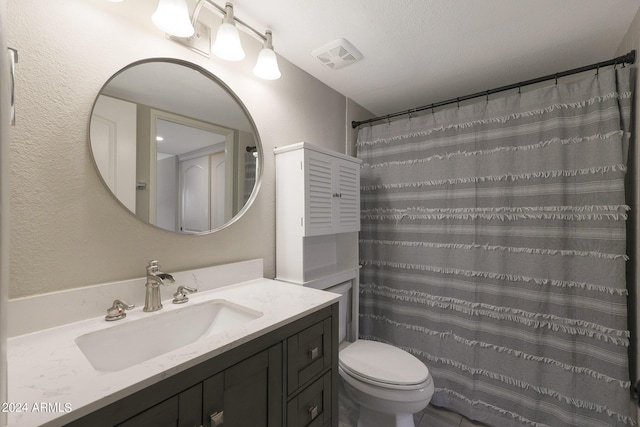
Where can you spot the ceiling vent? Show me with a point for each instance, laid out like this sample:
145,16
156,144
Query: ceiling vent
337,54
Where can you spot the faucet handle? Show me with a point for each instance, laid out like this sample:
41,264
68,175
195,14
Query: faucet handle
116,311
180,297
153,266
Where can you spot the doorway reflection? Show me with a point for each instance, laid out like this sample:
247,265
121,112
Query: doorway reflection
191,184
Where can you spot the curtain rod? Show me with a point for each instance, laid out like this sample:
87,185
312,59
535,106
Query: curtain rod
629,58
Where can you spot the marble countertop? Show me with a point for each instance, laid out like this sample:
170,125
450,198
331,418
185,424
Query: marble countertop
52,383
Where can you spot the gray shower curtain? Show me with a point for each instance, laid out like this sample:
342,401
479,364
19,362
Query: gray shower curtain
493,249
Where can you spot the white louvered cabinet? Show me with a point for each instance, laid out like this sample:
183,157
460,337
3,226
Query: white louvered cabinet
332,202
317,214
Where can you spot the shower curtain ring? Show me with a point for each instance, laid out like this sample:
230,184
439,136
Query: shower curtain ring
556,78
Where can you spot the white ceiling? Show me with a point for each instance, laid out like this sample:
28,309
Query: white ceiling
416,52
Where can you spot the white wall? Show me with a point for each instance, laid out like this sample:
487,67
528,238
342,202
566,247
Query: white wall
66,229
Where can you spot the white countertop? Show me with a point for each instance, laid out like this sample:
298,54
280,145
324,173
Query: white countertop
52,383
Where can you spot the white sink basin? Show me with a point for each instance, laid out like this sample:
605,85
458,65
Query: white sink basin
130,343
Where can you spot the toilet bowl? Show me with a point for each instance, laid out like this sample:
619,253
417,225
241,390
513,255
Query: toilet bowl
387,383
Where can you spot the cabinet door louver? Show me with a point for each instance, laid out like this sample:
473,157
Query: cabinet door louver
348,189
319,190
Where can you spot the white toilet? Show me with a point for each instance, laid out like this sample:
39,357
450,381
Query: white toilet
387,383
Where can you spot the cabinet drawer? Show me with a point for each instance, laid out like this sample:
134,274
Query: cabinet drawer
309,353
312,407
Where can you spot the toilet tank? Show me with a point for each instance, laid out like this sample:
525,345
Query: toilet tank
345,312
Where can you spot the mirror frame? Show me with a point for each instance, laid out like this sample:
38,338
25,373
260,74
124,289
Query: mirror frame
232,94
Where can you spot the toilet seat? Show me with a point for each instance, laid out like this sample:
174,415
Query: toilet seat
383,365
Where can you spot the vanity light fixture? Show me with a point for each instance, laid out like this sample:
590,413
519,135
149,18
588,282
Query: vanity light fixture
172,17
227,42
267,64
227,45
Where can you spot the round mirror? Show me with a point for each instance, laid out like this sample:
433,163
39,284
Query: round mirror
175,146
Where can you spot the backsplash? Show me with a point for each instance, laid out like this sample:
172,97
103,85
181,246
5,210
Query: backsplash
34,313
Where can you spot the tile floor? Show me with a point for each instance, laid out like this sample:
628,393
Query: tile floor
438,417
430,417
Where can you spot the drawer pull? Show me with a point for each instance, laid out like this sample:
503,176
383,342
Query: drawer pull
217,419
313,412
314,352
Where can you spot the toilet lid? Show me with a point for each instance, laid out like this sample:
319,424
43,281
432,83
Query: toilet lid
383,363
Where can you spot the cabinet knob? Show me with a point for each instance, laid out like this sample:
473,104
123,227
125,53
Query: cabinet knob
313,412
217,419
337,194
314,352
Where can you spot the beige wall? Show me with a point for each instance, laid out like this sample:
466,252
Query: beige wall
4,196
66,230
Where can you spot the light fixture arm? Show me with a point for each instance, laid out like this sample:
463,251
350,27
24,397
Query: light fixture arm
222,11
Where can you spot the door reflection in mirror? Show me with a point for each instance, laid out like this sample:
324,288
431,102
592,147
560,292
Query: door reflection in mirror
175,146
192,191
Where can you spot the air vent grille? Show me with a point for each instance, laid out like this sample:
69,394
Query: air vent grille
337,54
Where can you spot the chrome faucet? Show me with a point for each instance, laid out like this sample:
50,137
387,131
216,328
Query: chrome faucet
155,278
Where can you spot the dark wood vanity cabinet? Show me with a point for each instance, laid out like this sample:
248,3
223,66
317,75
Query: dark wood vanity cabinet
309,377
247,394
180,410
288,377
